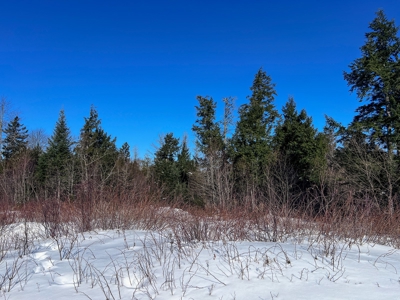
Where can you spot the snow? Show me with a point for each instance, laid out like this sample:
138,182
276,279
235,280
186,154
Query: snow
135,264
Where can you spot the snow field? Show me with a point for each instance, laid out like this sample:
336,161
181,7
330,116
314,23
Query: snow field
134,264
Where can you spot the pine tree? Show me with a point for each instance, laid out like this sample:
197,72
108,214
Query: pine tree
15,141
55,165
251,142
376,79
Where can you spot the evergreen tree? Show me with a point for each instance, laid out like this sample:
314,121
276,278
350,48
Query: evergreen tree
15,140
165,164
124,152
55,165
209,138
251,142
96,149
89,132
376,79
186,168
213,146
125,170
298,141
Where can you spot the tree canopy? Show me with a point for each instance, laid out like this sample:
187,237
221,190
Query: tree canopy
375,77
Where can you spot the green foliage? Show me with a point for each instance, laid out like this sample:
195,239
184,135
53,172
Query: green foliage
165,166
60,143
55,164
298,141
124,152
96,149
186,168
15,141
376,79
251,142
375,129
185,164
212,142
173,166
209,138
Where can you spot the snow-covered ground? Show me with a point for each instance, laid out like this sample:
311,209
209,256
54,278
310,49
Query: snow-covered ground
149,265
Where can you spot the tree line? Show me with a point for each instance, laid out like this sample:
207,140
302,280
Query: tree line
271,159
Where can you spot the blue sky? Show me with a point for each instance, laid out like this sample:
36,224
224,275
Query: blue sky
142,63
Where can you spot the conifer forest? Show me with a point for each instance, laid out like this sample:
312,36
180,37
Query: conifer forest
260,164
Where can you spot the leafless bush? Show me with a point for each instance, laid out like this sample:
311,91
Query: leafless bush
12,274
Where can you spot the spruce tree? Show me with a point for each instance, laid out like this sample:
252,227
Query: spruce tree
184,162
15,141
209,138
251,142
186,168
124,152
213,149
88,137
55,165
375,77
298,141
96,149
166,169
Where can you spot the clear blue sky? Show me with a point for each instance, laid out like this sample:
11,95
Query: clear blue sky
142,63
